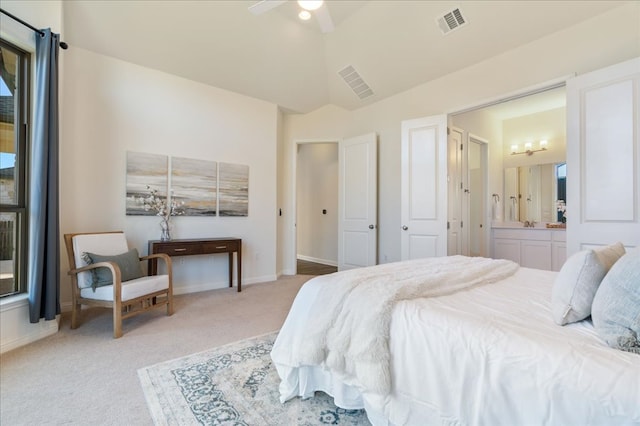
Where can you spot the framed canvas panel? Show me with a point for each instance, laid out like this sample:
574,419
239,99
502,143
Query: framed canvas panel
143,171
233,190
194,185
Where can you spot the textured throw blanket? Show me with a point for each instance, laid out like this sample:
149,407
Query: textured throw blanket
351,315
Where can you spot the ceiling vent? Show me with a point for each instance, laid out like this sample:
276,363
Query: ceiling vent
355,82
451,21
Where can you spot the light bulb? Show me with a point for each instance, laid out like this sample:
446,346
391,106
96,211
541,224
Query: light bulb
543,144
527,146
514,148
304,15
310,4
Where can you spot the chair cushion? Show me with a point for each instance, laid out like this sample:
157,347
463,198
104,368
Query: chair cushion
578,280
128,262
105,243
616,306
130,289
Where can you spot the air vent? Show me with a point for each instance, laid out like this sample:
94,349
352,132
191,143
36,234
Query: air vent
355,82
451,21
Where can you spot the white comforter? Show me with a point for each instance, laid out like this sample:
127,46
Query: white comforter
352,312
487,355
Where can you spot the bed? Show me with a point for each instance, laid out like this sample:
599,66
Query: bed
484,353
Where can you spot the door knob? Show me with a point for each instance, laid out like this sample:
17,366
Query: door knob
371,226
405,227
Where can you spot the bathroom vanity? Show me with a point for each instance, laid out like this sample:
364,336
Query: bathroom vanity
532,247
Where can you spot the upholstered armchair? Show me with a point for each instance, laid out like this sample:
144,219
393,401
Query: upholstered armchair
104,272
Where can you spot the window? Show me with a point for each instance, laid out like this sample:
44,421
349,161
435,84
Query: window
14,125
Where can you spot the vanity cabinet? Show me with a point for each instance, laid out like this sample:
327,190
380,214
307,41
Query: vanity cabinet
538,248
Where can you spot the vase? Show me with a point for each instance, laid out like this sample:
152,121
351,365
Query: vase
165,234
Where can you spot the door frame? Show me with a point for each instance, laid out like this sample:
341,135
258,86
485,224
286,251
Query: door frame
487,218
459,199
294,194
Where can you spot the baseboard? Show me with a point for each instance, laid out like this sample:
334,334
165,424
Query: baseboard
317,260
36,332
196,288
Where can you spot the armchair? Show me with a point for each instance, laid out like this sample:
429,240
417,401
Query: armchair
91,255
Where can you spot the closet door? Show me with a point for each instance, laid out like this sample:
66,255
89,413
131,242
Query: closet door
603,157
424,188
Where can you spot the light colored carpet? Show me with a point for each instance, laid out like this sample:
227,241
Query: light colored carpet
237,385
85,377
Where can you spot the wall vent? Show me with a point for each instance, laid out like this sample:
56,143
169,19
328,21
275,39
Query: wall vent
355,82
451,21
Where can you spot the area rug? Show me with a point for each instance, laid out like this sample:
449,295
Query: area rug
237,385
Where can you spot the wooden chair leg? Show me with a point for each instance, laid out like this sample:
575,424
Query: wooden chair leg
75,313
117,320
169,304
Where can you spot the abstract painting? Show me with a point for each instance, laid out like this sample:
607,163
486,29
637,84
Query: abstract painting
145,170
193,185
233,190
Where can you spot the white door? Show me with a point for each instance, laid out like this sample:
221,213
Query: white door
358,202
454,192
603,157
424,188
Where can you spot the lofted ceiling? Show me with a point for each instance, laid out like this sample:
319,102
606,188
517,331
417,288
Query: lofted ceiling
274,56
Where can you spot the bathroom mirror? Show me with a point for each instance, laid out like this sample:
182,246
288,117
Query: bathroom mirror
532,193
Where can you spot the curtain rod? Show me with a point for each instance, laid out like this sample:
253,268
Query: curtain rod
62,44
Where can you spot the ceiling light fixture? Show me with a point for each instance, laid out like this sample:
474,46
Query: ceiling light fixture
305,15
310,4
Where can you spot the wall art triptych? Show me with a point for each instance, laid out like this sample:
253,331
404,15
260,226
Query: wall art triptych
200,187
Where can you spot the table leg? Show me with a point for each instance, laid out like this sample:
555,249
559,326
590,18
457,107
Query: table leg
230,269
152,266
239,266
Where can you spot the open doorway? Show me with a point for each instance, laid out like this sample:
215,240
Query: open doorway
506,126
316,207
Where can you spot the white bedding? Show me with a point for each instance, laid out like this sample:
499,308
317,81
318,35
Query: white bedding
487,355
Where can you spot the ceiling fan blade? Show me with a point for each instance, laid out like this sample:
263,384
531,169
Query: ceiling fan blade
265,5
324,18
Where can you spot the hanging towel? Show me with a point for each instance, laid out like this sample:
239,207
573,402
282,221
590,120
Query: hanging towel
496,213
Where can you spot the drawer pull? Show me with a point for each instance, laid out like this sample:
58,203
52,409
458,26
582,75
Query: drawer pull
221,247
180,249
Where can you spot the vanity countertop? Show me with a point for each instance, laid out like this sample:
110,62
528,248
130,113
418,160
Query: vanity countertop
520,225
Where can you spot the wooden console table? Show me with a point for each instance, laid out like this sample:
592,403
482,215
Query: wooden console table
200,246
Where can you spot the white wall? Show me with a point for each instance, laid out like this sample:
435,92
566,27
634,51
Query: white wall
112,107
317,190
607,39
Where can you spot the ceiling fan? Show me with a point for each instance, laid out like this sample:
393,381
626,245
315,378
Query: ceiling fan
317,7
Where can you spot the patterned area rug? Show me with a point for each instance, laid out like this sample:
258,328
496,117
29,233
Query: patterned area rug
234,385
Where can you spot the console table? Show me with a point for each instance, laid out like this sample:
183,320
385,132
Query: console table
200,246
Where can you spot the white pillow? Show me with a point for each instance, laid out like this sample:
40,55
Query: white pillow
616,307
578,280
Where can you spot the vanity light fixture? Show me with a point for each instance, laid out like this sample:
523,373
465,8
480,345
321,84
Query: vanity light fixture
528,148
